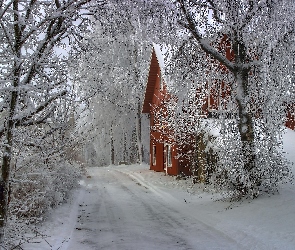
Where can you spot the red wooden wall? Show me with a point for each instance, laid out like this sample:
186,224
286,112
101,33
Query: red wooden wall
155,97
290,120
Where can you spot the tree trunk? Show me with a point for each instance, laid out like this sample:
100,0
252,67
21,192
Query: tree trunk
138,132
112,149
138,109
6,161
7,154
246,129
245,121
125,147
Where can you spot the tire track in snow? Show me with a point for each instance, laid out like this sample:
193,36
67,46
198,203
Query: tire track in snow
126,213
170,204
169,216
67,231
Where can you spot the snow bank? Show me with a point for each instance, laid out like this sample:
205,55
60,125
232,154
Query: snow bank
289,144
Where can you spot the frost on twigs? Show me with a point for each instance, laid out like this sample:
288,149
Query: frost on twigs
35,190
37,102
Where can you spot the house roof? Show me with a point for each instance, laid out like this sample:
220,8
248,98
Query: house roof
159,56
156,63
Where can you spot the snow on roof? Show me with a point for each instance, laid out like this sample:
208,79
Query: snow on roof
159,56
164,54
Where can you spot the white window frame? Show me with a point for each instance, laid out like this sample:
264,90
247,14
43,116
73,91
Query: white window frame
168,155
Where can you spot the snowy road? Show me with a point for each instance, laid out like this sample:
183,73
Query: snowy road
131,207
120,212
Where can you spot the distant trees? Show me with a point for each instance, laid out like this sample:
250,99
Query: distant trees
112,81
113,74
260,36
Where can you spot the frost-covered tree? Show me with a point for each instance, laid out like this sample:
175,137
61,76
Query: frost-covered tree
260,37
35,40
112,85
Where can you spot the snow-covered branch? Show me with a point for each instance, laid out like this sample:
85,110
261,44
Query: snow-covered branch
253,10
204,43
26,118
217,13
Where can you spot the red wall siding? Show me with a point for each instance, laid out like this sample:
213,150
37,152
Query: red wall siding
159,133
290,121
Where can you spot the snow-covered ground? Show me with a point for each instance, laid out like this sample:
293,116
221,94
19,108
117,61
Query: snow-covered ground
289,144
131,207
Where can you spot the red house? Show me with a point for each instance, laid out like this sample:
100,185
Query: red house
163,150
164,155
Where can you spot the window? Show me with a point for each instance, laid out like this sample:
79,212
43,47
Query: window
168,155
154,158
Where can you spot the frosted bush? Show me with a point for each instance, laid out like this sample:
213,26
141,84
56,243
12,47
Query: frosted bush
35,193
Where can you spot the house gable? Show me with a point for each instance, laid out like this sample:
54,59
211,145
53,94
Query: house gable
153,87
162,150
